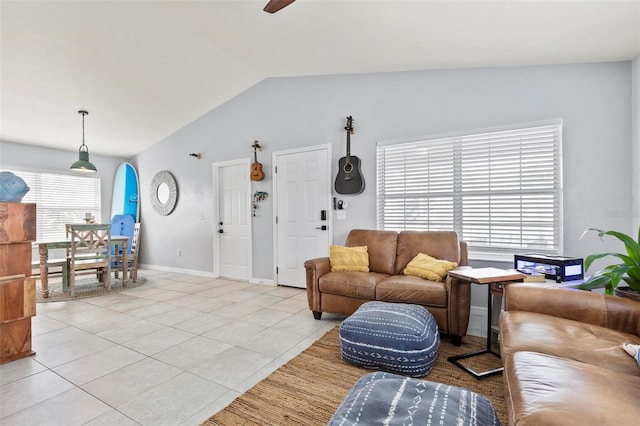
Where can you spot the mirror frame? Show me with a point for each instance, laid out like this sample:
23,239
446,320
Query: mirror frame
164,209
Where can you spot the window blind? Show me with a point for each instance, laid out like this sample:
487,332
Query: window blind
61,199
500,191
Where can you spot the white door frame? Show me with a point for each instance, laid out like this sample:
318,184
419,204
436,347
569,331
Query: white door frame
216,214
327,149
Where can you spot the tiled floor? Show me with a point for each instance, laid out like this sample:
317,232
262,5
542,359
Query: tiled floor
171,352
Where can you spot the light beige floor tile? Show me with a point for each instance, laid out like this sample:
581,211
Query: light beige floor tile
232,367
258,376
24,393
173,401
71,350
238,296
96,365
158,341
291,305
283,291
237,310
133,330
192,352
174,316
151,310
272,342
202,323
125,384
109,321
112,418
234,332
73,407
165,296
266,316
41,324
131,304
19,369
217,405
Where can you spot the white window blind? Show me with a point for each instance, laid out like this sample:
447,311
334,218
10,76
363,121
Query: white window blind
500,191
61,199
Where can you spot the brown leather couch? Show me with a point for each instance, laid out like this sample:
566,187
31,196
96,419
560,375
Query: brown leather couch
389,254
563,364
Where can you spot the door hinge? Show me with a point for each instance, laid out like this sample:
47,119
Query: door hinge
277,271
276,169
276,220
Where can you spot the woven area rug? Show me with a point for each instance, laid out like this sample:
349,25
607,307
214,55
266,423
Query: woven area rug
308,389
85,287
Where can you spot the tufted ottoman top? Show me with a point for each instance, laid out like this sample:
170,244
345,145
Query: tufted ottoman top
396,337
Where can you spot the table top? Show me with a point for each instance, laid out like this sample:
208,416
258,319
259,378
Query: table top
486,275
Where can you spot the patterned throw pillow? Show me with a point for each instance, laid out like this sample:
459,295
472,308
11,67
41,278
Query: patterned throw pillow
349,258
429,268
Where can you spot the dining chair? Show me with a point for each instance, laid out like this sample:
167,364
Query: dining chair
90,249
132,256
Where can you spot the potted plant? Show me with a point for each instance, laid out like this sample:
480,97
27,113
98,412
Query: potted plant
627,270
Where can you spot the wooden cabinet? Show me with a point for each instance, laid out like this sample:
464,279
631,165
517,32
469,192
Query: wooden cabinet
17,288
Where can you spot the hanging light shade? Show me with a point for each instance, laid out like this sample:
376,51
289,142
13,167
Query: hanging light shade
83,164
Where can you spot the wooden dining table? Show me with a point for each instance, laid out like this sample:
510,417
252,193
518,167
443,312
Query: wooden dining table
65,243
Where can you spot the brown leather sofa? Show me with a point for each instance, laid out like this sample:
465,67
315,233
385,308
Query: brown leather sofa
563,364
389,253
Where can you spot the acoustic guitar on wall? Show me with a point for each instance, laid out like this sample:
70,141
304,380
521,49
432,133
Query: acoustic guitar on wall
349,179
256,167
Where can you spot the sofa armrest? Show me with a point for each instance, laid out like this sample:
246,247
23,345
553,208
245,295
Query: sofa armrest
459,303
598,309
315,269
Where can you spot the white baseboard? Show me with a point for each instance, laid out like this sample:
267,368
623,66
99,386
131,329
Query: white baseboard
477,321
178,270
262,281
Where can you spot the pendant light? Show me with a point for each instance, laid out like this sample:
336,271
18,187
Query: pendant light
83,164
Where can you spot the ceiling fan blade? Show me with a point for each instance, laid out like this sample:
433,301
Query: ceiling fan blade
275,5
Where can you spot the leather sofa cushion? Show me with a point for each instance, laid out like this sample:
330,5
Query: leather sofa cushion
352,284
565,338
410,289
381,246
439,244
547,390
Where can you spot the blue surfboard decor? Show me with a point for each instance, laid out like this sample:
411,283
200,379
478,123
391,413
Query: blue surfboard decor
126,189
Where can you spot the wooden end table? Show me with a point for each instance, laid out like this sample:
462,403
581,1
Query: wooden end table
491,277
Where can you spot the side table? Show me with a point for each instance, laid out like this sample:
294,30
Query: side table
492,277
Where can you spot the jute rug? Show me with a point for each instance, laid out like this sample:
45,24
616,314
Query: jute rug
308,389
85,287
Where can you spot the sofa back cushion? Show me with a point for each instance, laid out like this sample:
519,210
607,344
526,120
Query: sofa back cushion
381,246
439,244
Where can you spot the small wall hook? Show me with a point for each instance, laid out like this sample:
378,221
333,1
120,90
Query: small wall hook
198,155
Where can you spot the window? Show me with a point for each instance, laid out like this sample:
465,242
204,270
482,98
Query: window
500,190
61,199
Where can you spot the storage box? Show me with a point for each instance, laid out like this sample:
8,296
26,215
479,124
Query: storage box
557,268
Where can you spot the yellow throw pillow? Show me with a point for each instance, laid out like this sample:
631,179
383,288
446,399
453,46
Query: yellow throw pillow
430,268
349,258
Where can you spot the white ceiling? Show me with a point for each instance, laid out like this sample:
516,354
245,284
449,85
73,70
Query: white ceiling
144,69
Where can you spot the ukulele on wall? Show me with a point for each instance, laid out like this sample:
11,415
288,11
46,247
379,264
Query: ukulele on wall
349,179
256,167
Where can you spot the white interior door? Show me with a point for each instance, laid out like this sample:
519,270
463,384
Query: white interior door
234,221
303,192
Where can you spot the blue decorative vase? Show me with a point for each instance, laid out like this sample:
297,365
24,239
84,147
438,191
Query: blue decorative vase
12,187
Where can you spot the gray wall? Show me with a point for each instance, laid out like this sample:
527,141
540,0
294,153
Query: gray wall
593,100
635,120
31,158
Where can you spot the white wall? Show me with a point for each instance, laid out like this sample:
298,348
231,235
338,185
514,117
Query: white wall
593,100
17,157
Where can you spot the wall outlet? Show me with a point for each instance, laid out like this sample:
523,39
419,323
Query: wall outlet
179,253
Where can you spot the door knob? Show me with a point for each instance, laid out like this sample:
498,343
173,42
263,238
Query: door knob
220,231
323,227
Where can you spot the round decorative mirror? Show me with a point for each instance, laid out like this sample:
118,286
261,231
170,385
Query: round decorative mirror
164,193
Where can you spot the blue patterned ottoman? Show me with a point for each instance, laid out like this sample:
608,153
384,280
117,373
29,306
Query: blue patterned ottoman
384,398
395,337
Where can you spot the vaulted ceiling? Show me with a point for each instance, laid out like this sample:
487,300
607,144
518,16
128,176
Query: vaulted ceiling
144,69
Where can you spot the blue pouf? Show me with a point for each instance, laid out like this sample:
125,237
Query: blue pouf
383,398
395,337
